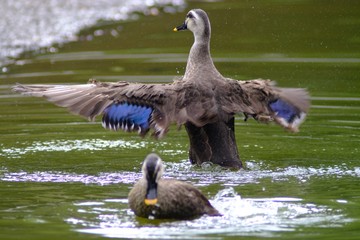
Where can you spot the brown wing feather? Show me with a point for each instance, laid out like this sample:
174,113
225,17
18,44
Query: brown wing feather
197,104
255,96
90,100
181,200
244,96
179,102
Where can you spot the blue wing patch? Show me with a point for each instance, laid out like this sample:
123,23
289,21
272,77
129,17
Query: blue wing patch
284,110
128,117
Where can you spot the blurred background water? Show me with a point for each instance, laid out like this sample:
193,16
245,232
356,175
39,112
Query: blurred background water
62,177
31,25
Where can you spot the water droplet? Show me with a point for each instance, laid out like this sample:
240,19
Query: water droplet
114,33
52,49
98,32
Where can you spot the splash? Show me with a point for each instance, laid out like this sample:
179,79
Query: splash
97,144
70,145
186,172
63,177
241,217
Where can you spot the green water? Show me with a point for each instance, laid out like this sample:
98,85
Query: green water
64,178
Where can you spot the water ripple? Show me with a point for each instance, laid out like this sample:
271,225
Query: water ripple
241,217
63,177
40,24
62,145
69,145
185,172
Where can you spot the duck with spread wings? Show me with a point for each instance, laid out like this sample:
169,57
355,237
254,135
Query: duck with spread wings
202,100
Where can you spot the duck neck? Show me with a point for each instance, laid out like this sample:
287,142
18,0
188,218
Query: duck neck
200,58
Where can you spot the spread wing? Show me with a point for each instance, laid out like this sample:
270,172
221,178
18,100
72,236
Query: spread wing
264,101
141,107
127,106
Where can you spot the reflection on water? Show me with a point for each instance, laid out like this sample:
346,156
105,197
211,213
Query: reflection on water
74,145
59,175
241,216
184,171
265,211
41,23
69,145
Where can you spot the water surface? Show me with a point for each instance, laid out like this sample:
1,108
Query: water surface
62,177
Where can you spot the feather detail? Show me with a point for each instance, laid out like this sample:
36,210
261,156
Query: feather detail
290,108
138,107
263,101
128,117
131,107
287,115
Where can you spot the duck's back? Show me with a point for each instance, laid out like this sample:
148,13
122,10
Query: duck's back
176,200
182,200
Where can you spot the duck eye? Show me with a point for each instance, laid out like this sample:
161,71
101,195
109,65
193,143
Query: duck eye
190,15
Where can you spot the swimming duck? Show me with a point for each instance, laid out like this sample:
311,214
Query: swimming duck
202,100
155,197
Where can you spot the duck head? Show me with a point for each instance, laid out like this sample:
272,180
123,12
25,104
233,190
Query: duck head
152,172
198,22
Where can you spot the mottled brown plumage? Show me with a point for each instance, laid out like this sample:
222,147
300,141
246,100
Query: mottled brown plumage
173,199
201,97
184,100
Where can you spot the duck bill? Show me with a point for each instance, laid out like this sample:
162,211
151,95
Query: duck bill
181,27
151,194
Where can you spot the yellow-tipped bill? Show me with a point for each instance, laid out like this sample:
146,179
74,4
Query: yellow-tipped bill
150,201
181,27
